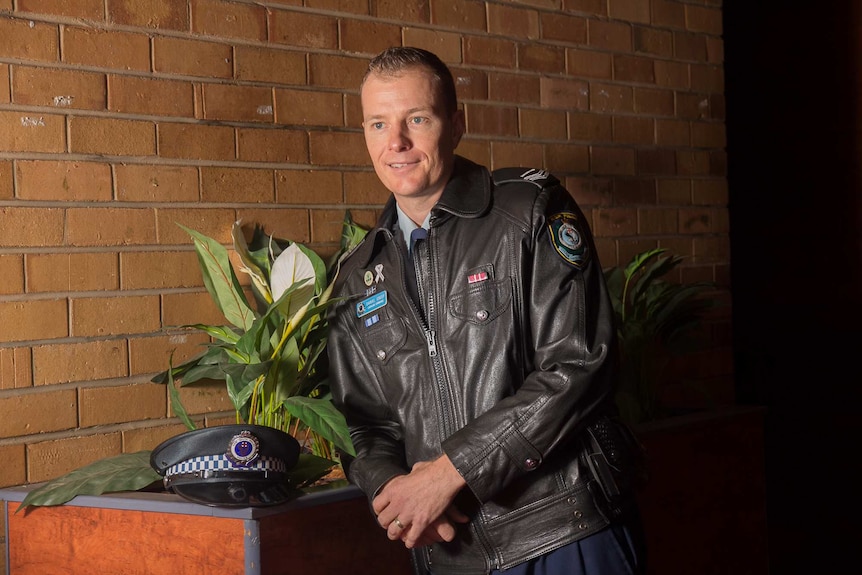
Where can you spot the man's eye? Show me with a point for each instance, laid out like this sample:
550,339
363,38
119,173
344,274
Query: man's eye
377,125
417,120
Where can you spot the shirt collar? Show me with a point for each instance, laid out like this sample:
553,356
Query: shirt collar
407,226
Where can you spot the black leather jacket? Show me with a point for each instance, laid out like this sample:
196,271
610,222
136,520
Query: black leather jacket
510,357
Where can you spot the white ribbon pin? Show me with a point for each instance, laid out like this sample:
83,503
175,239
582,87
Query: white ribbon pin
379,277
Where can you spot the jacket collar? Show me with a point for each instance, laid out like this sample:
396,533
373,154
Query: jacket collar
467,195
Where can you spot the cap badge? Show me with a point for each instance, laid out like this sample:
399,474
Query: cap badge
243,448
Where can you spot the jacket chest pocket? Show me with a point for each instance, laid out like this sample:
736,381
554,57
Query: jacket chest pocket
384,339
482,304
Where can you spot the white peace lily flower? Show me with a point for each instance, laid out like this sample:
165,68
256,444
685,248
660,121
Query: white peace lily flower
290,267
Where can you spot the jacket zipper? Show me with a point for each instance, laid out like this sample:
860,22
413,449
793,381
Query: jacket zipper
423,260
431,338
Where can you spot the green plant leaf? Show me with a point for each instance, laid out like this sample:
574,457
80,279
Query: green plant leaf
659,268
283,376
313,373
273,317
212,356
222,333
321,416
351,236
202,372
127,472
177,404
220,280
249,345
240,379
640,260
308,469
319,267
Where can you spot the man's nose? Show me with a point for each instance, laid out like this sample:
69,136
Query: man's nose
399,139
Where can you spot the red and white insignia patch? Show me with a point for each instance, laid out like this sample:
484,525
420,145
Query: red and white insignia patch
477,277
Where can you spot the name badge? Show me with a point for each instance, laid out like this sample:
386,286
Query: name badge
371,304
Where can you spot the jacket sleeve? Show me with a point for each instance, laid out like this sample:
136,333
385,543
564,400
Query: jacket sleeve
376,438
569,342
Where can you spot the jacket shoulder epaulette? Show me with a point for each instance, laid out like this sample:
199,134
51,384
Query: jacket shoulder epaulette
539,178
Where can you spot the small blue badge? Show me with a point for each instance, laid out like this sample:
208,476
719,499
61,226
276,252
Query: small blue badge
371,304
369,321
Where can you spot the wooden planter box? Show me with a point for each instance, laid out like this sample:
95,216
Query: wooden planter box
330,531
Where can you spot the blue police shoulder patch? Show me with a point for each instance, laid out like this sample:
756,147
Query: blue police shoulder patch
567,237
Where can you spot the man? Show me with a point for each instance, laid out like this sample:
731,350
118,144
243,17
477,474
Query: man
474,354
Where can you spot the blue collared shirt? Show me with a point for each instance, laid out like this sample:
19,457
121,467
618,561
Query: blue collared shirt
407,226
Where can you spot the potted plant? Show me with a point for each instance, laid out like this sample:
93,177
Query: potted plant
269,356
654,320
269,359
705,484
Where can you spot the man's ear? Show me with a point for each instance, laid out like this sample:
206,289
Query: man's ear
459,126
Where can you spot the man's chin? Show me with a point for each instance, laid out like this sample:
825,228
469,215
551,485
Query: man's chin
404,187
406,192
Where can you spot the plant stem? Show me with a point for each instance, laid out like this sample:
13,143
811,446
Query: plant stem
255,400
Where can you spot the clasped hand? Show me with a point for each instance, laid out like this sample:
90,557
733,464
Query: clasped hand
417,508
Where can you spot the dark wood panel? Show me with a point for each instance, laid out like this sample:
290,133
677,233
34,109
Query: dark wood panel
336,538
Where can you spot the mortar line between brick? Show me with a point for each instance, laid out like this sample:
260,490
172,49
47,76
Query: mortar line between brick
107,294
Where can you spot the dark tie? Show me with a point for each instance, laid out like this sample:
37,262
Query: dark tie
415,236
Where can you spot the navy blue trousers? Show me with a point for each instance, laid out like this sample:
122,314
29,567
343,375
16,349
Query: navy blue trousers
617,550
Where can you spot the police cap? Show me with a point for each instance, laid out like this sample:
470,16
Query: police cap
228,465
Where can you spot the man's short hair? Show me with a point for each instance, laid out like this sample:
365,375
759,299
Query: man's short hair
397,59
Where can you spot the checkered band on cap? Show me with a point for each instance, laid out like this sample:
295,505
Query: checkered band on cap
221,462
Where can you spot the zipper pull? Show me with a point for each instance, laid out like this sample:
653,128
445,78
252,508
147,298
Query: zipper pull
431,337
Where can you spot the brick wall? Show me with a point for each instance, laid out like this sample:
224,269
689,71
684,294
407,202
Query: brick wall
121,118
